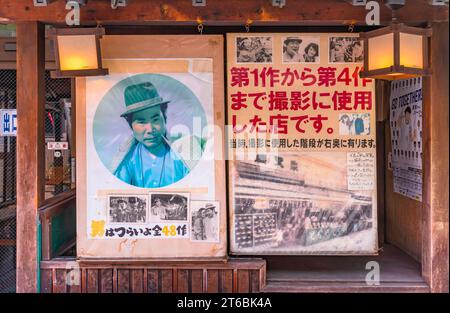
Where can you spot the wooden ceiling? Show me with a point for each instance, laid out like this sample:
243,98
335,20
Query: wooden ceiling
219,12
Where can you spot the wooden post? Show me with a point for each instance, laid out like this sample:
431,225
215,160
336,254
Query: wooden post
435,247
30,148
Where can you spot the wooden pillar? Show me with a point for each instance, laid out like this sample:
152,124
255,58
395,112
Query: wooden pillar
435,247
30,148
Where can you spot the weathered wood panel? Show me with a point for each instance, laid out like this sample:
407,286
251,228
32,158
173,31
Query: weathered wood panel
183,281
254,281
50,209
234,276
106,280
152,281
243,281
92,281
165,281
298,12
212,281
30,148
227,281
137,281
196,281
59,281
123,281
435,263
46,281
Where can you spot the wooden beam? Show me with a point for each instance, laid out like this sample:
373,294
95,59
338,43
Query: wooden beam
219,12
30,148
435,246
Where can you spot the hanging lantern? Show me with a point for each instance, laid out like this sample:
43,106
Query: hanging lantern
78,52
396,52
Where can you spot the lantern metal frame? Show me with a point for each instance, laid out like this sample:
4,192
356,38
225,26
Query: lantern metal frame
389,73
98,32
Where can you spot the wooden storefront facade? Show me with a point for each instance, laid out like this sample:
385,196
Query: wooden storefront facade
413,236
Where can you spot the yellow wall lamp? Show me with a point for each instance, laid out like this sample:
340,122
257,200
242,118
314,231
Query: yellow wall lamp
396,52
77,52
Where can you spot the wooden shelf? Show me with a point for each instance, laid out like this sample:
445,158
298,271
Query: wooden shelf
398,273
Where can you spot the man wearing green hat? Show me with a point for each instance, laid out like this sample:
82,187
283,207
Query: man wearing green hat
148,159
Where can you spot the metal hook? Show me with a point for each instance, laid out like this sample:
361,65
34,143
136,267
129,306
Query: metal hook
200,25
99,24
200,28
247,25
351,26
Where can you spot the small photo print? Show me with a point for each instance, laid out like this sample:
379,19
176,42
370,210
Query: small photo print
127,209
346,50
169,207
205,221
301,49
354,124
254,49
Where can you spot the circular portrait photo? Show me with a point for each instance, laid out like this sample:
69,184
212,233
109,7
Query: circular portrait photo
144,130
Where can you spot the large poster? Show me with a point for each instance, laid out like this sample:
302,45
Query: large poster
301,140
406,136
151,164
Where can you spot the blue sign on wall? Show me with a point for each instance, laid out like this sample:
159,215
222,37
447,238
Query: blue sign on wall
9,122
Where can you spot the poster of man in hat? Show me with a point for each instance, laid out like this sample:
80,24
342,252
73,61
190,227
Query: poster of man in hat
150,160
138,145
303,49
205,221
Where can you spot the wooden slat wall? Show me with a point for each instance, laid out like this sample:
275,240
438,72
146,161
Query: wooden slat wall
219,278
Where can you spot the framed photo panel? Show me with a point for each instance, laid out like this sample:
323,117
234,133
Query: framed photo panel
147,147
302,153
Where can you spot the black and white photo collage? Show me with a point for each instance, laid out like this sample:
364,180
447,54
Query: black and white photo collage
299,49
201,216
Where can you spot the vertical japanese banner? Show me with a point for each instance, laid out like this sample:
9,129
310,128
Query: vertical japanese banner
301,144
406,136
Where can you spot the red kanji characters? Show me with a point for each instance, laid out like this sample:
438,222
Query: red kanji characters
238,101
289,77
318,122
239,76
342,100
234,124
300,100
278,100
257,96
363,99
256,122
308,79
299,120
319,104
327,76
279,124
272,74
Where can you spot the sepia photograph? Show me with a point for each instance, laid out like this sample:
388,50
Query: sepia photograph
138,157
205,221
254,49
346,50
127,209
301,49
283,203
169,207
